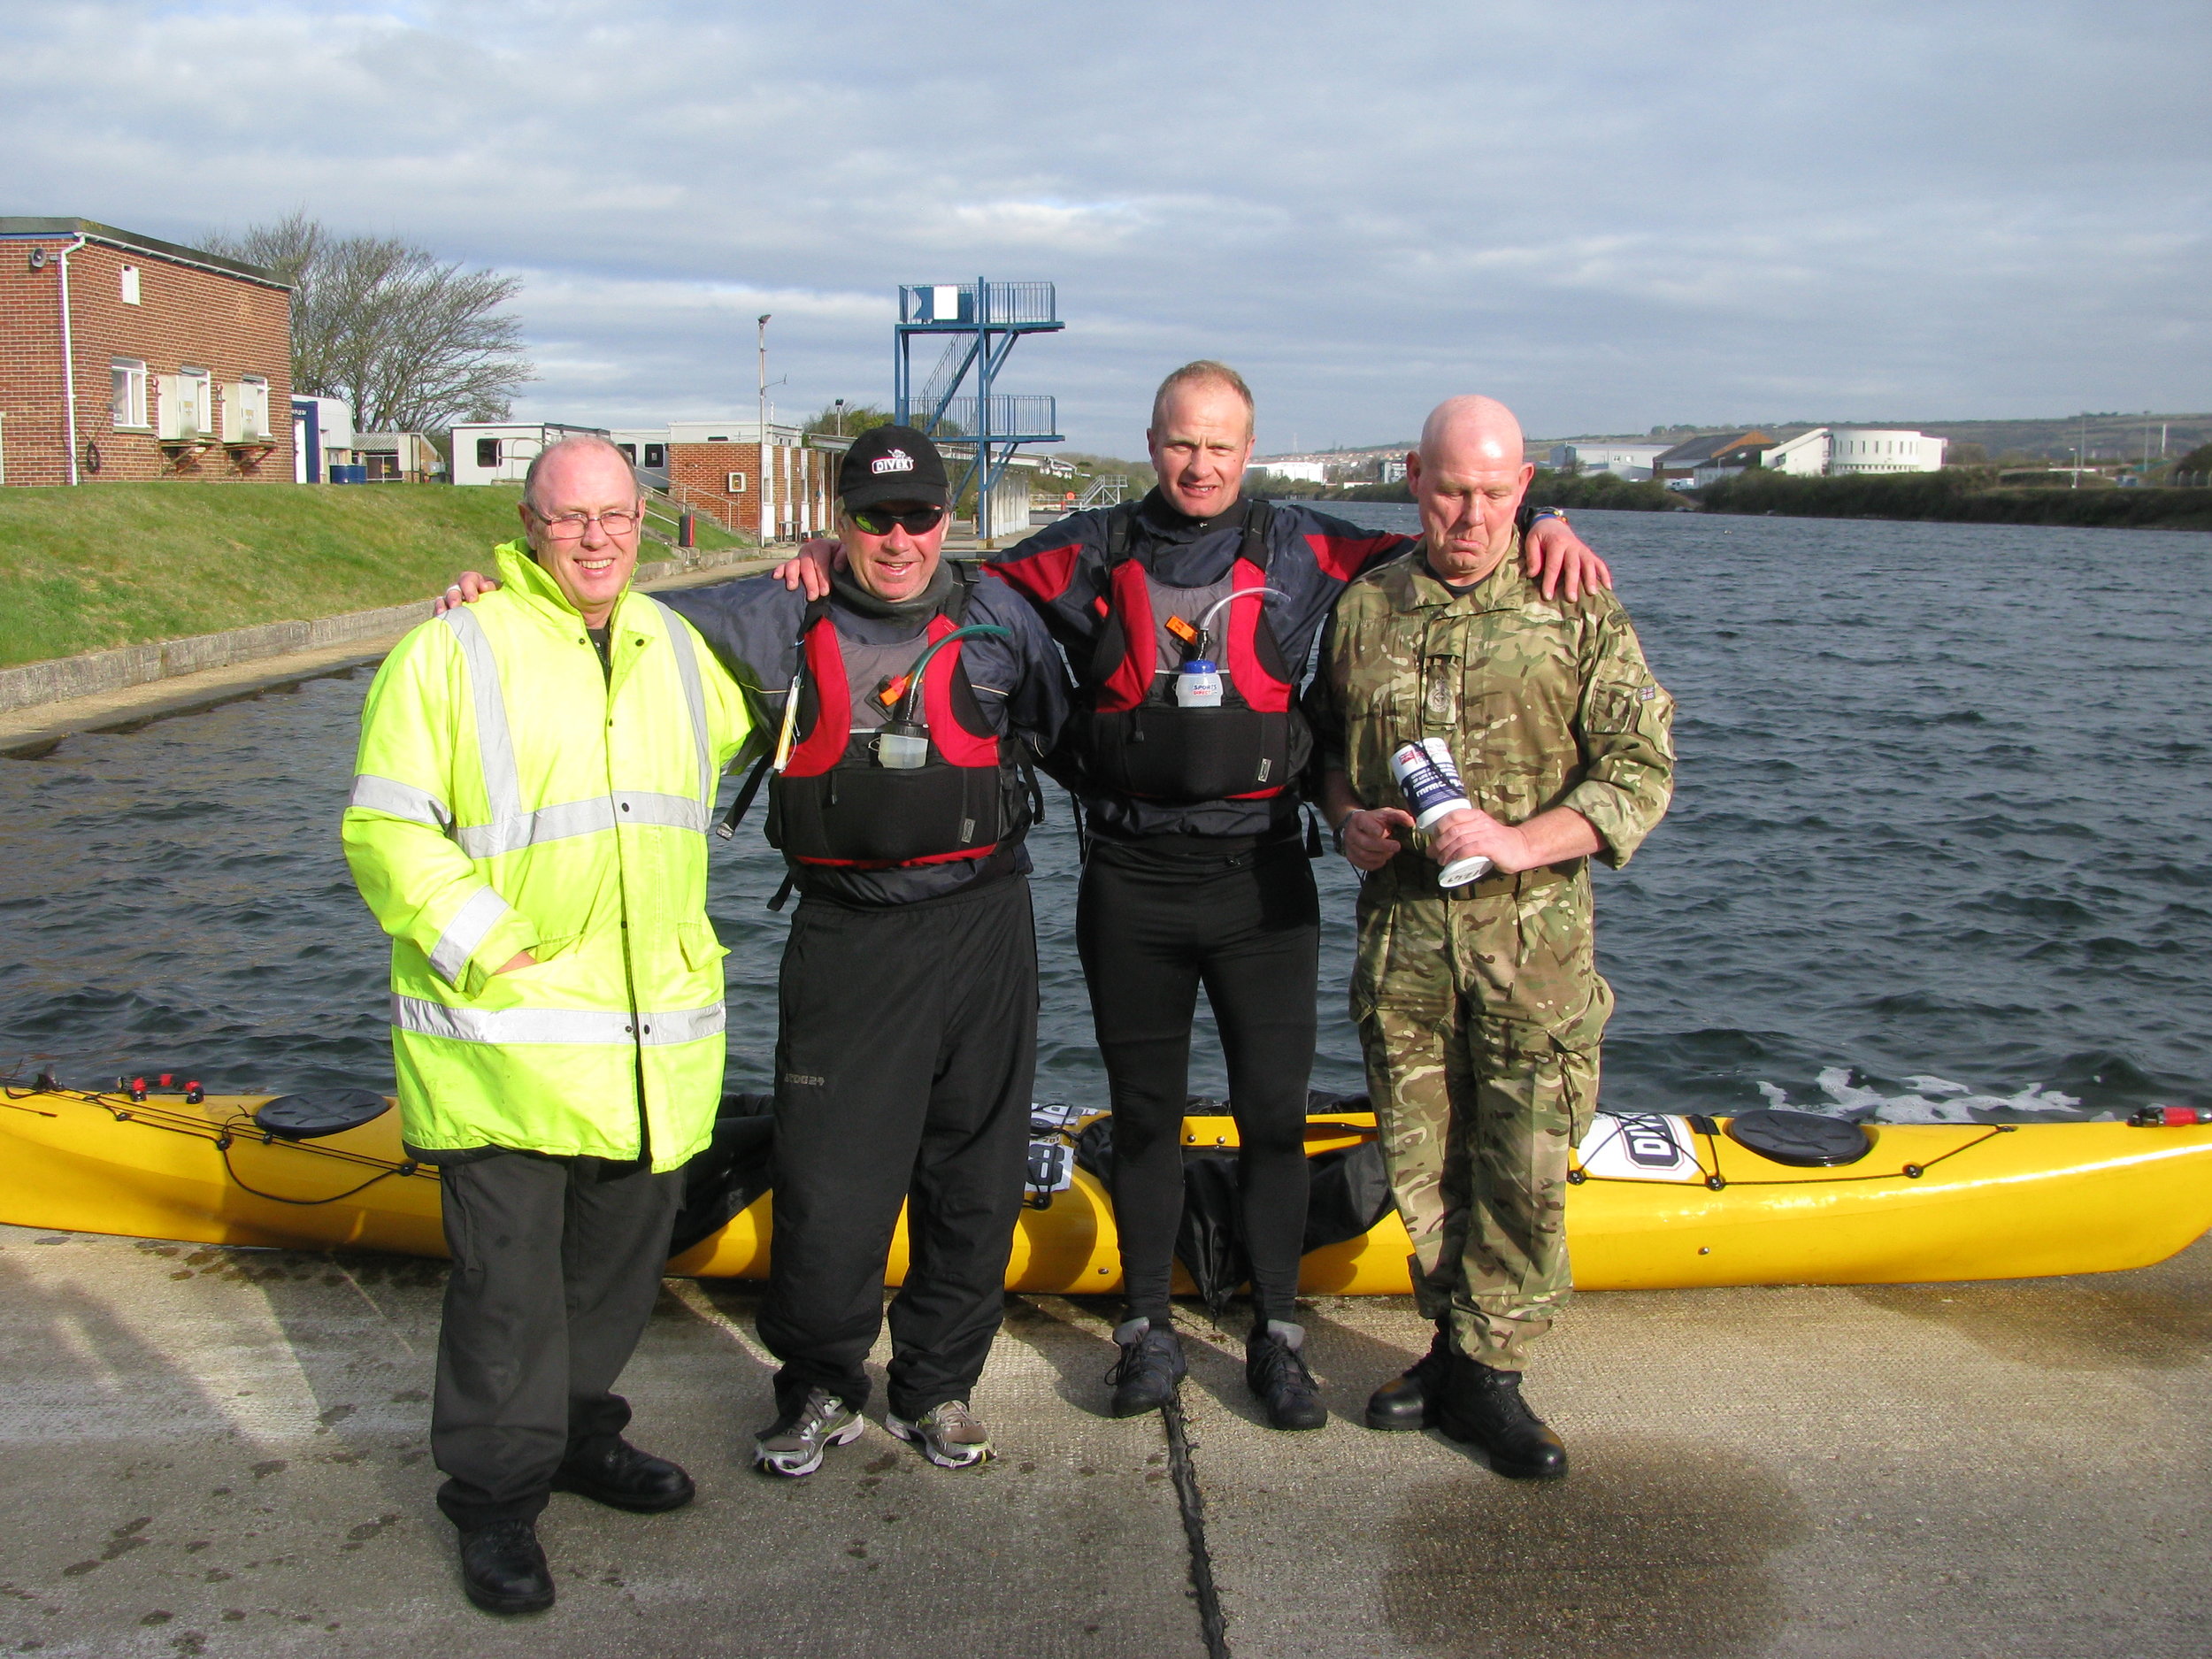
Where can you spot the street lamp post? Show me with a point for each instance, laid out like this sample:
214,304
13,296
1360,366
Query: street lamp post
841,418
760,432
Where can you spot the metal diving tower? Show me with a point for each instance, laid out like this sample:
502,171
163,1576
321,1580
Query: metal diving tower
979,323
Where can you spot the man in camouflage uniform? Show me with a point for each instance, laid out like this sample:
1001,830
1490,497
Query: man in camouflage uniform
1479,1007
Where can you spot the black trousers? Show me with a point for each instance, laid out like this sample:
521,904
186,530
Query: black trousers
903,1065
1152,927
556,1263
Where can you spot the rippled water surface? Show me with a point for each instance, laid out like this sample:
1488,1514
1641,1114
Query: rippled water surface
1939,848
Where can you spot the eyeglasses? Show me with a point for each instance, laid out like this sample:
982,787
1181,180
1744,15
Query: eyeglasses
570,527
881,521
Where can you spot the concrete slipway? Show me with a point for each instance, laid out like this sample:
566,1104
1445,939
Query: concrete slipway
217,1452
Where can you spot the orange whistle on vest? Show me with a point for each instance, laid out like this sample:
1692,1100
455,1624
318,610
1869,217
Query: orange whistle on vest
892,690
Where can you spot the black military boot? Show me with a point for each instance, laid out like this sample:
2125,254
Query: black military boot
1409,1401
614,1472
1151,1365
1275,1371
504,1570
1485,1407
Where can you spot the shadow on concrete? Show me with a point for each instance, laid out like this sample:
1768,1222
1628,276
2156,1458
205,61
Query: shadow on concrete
1055,1329
2150,1320
1653,1548
751,1374
84,1373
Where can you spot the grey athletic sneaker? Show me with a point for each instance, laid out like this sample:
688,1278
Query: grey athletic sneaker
950,1435
793,1443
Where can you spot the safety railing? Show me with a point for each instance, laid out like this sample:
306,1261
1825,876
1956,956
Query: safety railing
1021,417
953,304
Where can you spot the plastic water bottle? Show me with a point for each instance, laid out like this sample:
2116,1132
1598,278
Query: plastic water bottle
902,747
1198,685
1430,780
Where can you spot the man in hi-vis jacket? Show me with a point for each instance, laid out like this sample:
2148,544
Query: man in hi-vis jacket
902,710
528,823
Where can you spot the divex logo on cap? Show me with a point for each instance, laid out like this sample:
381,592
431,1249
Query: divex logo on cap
891,464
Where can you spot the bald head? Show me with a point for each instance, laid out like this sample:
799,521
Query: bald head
564,462
1468,479
1472,431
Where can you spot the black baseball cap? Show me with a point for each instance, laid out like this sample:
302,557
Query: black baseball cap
891,464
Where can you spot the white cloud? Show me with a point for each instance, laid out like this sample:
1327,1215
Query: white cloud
1614,214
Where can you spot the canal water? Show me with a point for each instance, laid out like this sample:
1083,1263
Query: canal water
1939,849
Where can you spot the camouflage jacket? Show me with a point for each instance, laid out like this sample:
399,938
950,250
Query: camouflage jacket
1545,703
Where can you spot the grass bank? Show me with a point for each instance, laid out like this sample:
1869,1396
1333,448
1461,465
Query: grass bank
107,565
1960,493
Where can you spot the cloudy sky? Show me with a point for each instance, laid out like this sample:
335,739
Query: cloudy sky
1613,215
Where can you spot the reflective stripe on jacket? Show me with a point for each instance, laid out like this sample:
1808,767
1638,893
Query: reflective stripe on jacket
513,795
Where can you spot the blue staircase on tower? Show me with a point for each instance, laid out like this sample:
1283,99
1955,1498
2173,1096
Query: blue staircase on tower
978,323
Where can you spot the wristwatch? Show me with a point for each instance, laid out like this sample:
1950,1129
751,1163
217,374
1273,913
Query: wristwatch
1559,513
1336,830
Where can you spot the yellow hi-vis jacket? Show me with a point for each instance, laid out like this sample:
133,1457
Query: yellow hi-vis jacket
512,795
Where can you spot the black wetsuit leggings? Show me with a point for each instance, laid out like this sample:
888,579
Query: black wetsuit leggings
1152,927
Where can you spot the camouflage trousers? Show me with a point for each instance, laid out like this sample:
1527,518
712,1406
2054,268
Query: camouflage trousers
1480,1017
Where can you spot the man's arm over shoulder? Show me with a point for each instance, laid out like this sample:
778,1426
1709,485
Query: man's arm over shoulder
750,625
1626,723
419,885
1037,696
1339,550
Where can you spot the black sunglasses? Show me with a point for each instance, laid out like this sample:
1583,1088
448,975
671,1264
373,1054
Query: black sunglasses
881,521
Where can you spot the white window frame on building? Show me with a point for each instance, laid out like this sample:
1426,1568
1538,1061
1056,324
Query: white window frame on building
127,376
130,290
733,485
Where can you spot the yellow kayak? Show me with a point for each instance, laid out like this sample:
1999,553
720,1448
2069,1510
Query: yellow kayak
1658,1201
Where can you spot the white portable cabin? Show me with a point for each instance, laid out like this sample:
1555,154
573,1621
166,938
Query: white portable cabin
500,452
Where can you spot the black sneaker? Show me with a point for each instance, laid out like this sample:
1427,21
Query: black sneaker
504,1570
1484,1406
1150,1365
1275,1371
1409,1401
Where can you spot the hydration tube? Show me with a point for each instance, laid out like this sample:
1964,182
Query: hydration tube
1206,622
910,705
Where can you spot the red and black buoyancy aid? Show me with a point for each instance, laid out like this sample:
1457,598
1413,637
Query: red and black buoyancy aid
1141,741
835,803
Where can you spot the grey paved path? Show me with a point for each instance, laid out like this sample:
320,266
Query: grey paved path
213,1452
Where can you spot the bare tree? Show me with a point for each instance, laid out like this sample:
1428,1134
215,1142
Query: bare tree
412,342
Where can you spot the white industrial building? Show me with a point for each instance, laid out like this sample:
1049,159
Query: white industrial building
1631,461
1305,471
1849,451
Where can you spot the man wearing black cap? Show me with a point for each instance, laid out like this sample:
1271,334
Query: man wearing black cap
904,708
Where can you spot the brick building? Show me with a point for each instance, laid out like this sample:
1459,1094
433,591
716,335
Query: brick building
125,357
714,467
